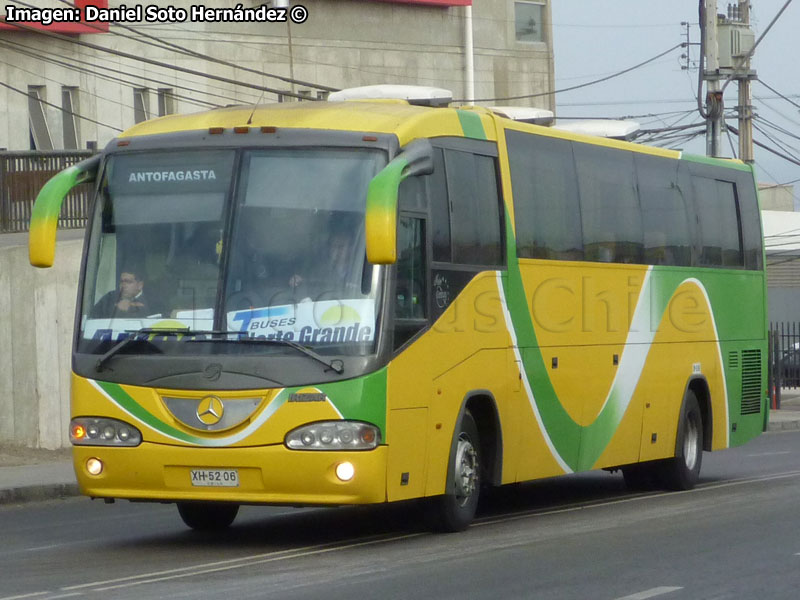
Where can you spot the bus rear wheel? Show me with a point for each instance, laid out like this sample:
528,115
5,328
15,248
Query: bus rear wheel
683,471
455,510
207,516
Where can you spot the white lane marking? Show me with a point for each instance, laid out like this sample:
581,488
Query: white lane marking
50,547
585,506
257,562
652,593
768,454
233,562
33,595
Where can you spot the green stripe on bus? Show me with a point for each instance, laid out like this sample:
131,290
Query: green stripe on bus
471,124
128,404
717,162
581,446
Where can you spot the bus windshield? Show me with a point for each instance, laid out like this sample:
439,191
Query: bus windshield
267,244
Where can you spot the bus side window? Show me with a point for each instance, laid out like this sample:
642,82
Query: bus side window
474,208
410,302
611,218
720,224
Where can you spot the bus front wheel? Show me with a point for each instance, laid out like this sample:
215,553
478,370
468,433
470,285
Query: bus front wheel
455,510
207,516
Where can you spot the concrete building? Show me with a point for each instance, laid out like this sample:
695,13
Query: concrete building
97,72
776,197
782,241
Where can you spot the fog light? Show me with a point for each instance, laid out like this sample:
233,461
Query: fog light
94,466
345,471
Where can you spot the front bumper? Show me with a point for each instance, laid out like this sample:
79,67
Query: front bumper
267,474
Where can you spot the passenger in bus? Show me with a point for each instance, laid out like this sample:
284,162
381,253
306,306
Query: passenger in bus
330,277
126,302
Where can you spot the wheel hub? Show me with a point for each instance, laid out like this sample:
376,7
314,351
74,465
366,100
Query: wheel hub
466,472
690,443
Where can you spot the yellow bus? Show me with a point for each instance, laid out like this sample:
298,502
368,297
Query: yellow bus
357,302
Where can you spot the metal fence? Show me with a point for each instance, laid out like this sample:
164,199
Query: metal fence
22,175
784,358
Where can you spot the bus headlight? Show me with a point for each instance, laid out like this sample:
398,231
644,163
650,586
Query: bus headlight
101,431
334,435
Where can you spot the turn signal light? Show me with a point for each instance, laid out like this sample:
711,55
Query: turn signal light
78,431
334,435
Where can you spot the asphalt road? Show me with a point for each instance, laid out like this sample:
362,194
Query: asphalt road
584,536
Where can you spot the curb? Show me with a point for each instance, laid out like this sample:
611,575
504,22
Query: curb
35,493
784,426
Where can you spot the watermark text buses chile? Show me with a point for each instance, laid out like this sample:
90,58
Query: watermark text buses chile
150,13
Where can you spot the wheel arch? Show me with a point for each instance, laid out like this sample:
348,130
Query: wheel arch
483,408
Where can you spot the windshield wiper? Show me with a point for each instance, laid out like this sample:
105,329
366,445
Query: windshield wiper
242,337
135,337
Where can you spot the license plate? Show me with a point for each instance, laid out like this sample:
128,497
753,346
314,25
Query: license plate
215,477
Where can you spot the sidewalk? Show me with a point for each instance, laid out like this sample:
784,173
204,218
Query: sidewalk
30,475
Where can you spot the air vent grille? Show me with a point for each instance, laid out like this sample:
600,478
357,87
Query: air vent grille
751,382
733,360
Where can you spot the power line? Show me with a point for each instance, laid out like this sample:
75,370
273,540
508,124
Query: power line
768,149
575,87
777,143
778,128
188,51
142,77
774,91
61,108
158,63
11,46
34,53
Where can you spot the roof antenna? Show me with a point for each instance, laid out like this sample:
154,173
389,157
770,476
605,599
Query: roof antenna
255,106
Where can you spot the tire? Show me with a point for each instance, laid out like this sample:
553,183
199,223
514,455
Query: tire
683,471
207,516
455,510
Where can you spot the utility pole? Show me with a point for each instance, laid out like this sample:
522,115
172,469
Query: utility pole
745,107
287,4
715,107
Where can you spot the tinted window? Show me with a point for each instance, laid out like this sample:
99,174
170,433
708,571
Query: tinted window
610,215
474,208
718,220
665,218
751,221
412,194
410,303
440,208
546,210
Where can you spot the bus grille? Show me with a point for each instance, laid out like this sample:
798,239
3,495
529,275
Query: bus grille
751,382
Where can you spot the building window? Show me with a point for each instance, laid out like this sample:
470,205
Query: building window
529,21
166,102
40,132
141,105
69,105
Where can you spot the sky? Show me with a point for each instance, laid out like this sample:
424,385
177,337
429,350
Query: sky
596,38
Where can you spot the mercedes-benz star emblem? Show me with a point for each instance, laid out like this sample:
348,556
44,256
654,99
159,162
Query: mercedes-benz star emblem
209,410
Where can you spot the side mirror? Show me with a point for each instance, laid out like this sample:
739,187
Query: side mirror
381,217
44,218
